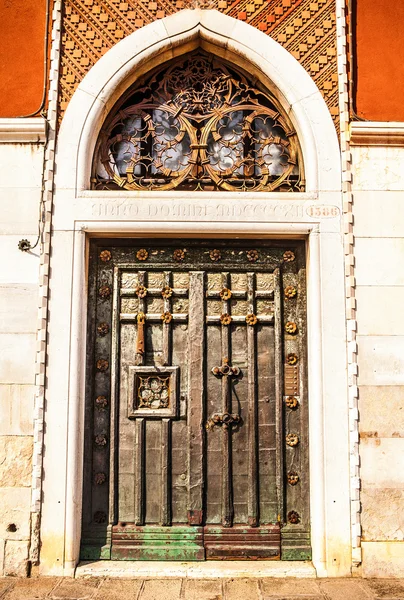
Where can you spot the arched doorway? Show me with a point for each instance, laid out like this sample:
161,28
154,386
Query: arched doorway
260,215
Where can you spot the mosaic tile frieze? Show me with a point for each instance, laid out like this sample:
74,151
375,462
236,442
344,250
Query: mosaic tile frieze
305,28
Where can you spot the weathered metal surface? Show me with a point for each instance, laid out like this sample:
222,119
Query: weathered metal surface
216,455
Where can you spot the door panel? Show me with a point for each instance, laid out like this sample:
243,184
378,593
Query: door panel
196,410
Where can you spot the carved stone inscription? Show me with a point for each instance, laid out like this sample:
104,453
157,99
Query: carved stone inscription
195,210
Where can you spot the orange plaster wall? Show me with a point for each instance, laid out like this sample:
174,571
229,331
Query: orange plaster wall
22,31
379,57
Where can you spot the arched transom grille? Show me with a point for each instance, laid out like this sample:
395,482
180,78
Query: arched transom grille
198,124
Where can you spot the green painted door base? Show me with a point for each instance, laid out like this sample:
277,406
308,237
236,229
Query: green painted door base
157,543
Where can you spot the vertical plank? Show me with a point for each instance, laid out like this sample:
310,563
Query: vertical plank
278,325
139,471
114,410
227,491
165,514
167,337
196,396
253,513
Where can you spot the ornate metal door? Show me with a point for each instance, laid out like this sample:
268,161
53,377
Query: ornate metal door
196,410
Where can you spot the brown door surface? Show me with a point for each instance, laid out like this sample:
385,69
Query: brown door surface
196,411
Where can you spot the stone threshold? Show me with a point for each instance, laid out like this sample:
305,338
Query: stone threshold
196,570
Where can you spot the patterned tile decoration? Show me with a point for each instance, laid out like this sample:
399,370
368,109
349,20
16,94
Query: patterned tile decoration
306,28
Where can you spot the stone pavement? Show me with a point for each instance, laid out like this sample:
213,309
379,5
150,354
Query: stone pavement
103,588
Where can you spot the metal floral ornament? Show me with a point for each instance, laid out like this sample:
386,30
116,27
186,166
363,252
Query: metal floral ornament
102,365
292,402
105,256
225,319
292,439
293,478
179,254
142,254
225,294
252,255
291,328
293,517
166,317
141,291
215,255
290,292
288,256
292,359
251,319
103,329
167,292
104,292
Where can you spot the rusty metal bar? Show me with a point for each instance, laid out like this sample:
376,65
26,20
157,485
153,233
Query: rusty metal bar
227,488
253,507
167,333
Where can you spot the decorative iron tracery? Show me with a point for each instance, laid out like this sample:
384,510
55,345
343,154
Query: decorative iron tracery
198,125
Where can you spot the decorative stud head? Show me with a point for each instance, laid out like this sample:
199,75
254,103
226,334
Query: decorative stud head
179,254
102,365
225,319
104,292
215,255
24,245
141,291
291,328
101,402
290,292
167,292
292,439
293,478
292,402
103,329
225,294
252,255
100,440
100,517
166,317
292,358
100,478
293,517
288,256
251,319
105,256
142,254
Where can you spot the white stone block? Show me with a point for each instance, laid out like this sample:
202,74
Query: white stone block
18,308
20,267
17,364
378,310
381,462
382,514
16,408
378,167
19,210
381,360
15,510
21,165
379,214
383,559
382,410
379,261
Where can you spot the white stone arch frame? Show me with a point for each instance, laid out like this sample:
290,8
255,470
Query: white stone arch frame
314,215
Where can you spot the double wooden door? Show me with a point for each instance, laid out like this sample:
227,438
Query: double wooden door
196,408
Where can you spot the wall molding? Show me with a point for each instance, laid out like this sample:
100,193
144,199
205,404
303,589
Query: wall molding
22,131
377,133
